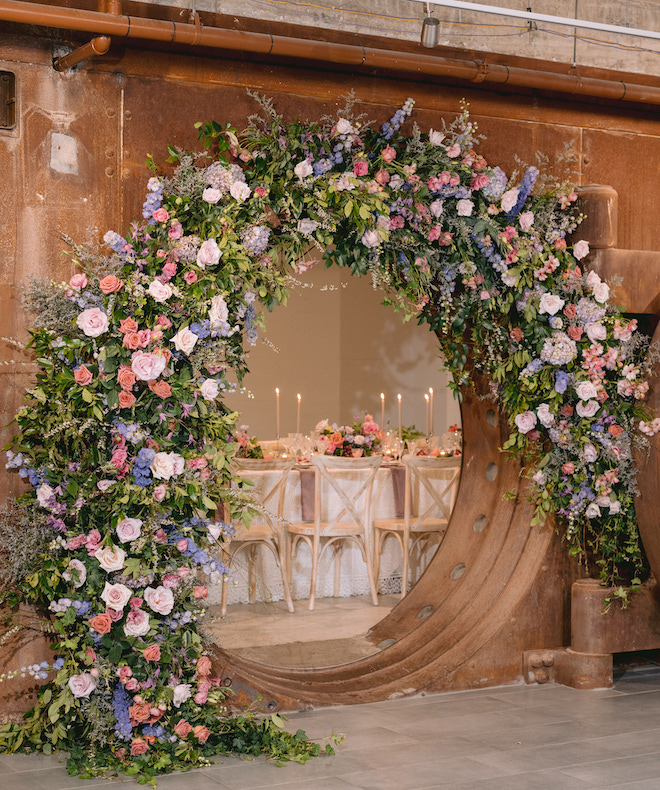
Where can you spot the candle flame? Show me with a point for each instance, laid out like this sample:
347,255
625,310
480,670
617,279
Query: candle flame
399,396
382,396
298,396
277,390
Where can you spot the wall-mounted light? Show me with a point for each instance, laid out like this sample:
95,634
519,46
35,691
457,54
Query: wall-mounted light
430,29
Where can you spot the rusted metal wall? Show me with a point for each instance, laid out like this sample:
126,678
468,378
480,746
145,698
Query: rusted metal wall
75,162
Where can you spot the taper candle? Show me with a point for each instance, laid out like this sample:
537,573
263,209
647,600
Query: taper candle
382,411
277,411
298,419
426,398
400,432
431,410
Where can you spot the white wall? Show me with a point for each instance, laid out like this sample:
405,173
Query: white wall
339,347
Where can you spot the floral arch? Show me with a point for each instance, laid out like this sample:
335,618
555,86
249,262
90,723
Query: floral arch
127,443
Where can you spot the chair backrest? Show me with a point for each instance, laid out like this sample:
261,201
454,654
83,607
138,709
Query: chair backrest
351,481
270,478
438,478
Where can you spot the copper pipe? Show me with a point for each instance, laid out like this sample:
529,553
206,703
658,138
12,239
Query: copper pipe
97,46
423,64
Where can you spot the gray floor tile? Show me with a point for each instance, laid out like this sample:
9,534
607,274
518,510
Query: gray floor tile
606,773
549,756
537,780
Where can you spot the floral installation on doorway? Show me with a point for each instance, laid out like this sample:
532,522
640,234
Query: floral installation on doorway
127,442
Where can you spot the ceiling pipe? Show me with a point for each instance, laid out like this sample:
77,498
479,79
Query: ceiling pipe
420,64
99,45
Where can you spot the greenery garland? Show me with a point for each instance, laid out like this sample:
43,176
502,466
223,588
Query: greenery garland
127,443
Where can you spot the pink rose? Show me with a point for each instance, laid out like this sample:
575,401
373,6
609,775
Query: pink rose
139,745
147,365
93,322
568,468
116,596
78,281
200,592
176,231
586,390
389,153
111,558
525,421
588,409
159,291
170,580
161,215
550,304
137,623
510,198
201,697
82,685
126,399
208,254
201,732
159,492
190,277
83,376
160,599
203,666
360,168
182,728
581,249
151,653
303,169
79,577
124,673
129,529
526,220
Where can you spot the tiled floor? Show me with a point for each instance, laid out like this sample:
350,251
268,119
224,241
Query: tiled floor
506,738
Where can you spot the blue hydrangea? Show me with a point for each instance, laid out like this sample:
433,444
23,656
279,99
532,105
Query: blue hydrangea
526,186
141,464
120,704
561,381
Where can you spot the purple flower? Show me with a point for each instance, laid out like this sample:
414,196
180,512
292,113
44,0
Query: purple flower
561,381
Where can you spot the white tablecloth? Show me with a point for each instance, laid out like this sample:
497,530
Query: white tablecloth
353,571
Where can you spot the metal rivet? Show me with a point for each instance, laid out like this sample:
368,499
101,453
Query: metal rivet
227,682
110,153
457,571
128,115
479,523
125,173
385,643
272,705
491,472
109,171
427,611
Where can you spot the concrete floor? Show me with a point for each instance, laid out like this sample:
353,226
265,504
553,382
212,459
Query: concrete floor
506,738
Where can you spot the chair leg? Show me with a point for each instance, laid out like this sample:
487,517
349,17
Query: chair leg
284,570
405,553
315,568
252,574
338,550
370,571
377,551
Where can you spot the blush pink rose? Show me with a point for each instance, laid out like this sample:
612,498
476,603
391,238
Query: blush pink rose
181,694
147,365
116,596
137,623
201,732
182,728
82,685
93,322
159,492
160,599
360,168
209,254
526,421
200,592
581,249
129,529
203,666
389,153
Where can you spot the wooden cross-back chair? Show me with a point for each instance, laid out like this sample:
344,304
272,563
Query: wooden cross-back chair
350,480
265,530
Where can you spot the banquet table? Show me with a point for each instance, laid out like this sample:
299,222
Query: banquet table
387,501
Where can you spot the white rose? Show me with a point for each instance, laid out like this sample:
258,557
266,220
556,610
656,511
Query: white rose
343,127
592,511
184,340
464,208
81,575
590,453
147,366
82,685
601,292
586,390
208,254
161,599
161,292
111,558
595,331
435,138
129,529
116,596
370,238
181,694
210,389
240,191
525,421
587,408
436,207
44,494
526,220
581,249
137,623
593,278
545,416
219,312
550,303
162,467
303,169
93,322
210,195
510,198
